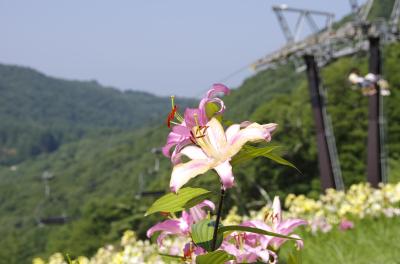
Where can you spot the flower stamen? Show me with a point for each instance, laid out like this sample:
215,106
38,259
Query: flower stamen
171,115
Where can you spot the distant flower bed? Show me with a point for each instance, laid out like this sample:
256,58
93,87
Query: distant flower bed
335,209
338,207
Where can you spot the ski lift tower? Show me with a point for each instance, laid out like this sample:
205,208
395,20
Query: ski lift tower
329,166
44,217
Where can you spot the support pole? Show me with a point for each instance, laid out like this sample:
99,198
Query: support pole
318,105
374,167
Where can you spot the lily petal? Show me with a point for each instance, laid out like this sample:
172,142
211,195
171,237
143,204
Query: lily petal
172,140
264,240
224,171
193,152
216,135
231,131
189,115
176,157
276,210
218,88
197,211
251,133
167,227
183,172
286,227
179,136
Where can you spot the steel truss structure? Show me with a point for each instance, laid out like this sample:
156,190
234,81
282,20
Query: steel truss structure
328,42
323,46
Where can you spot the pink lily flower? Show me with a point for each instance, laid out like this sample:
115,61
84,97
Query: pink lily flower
180,226
246,249
214,149
279,226
180,135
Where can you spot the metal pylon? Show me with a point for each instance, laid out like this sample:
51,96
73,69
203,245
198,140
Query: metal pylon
328,162
305,15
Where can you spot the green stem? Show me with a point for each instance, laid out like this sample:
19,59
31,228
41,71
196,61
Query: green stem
221,200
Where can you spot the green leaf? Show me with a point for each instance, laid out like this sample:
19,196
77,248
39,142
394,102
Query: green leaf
252,230
216,257
202,234
171,258
184,199
278,159
248,153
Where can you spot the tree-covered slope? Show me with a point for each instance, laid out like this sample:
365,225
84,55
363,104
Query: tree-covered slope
38,113
92,178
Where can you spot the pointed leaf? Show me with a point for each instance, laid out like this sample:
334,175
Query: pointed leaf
216,257
270,152
280,160
202,234
248,153
253,230
184,199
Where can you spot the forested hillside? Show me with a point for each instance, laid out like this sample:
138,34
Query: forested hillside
39,113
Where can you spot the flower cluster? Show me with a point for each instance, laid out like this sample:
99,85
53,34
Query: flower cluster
337,207
200,136
322,214
174,239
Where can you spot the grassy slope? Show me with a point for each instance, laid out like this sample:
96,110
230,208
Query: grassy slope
371,241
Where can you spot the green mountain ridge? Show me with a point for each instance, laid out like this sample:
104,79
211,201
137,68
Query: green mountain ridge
39,113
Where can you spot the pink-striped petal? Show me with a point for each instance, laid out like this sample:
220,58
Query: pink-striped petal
287,226
276,211
224,171
218,88
166,227
198,213
231,131
252,133
183,172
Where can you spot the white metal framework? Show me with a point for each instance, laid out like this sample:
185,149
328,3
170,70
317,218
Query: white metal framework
328,43
305,15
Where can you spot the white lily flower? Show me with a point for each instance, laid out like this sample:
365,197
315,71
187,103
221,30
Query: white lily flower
214,150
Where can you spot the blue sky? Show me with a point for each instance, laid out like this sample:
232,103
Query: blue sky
165,47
